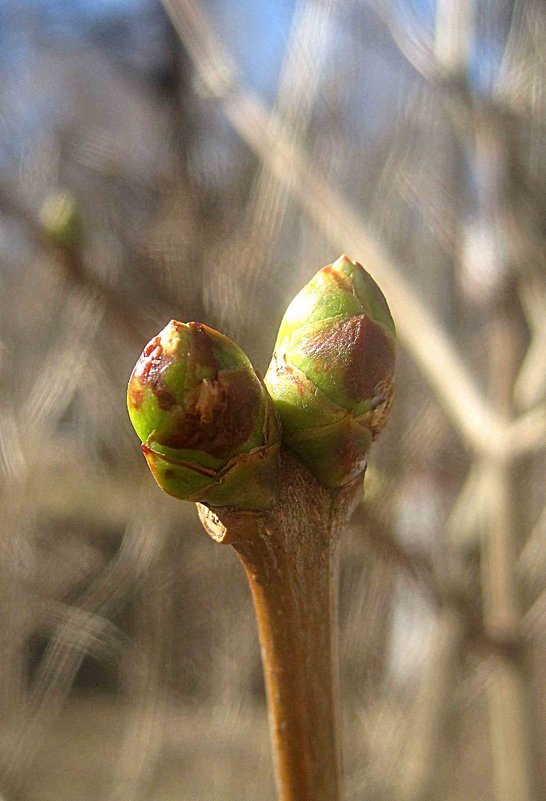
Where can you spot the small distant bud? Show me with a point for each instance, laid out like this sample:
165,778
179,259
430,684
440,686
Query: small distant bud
60,219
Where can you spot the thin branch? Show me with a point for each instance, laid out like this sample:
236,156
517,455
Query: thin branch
269,200
140,547
290,557
267,136
418,775
380,537
412,44
528,432
69,260
530,384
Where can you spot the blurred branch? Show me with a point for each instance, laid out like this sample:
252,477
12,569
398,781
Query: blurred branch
409,38
145,732
533,621
439,60
442,65
510,724
527,433
270,200
530,384
509,702
57,378
69,260
533,556
83,630
267,136
454,34
380,537
141,545
418,776
488,138
297,90
463,523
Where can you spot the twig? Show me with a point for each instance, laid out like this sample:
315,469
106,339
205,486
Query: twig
267,137
419,770
510,715
298,85
289,555
528,433
269,201
65,653
530,385
507,691
381,539
70,262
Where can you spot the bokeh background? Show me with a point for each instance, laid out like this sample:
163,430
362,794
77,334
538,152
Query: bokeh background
210,156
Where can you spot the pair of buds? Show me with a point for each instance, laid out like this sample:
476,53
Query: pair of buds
276,466
211,427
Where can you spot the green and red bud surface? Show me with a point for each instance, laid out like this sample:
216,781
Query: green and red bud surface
211,431
331,376
209,425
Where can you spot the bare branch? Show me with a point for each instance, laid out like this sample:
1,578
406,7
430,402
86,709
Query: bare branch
530,384
266,135
528,433
69,261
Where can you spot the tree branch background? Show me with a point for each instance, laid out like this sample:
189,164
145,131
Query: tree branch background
219,154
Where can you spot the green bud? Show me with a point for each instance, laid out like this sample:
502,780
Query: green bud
208,426
60,219
331,376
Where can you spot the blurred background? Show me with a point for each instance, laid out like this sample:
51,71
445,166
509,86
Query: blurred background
200,160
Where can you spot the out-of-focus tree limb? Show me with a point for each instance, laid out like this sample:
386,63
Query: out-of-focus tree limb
418,52
531,381
269,201
141,547
418,777
380,538
69,261
266,135
442,64
299,84
528,432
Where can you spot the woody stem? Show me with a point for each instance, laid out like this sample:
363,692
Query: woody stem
289,555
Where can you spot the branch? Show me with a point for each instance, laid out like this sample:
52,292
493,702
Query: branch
528,432
289,555
530,385
267,136
269,200
69,260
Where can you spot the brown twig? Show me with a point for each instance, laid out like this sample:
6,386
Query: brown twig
289,555
69,260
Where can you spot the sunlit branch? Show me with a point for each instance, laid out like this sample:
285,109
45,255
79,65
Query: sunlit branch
267,137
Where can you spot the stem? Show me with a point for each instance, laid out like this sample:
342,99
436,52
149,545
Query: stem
289,555
511,720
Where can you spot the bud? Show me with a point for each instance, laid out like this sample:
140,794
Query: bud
60,219
208,427
331,376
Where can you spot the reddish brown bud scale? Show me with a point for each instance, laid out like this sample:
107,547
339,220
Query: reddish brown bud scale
331,376
208,426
